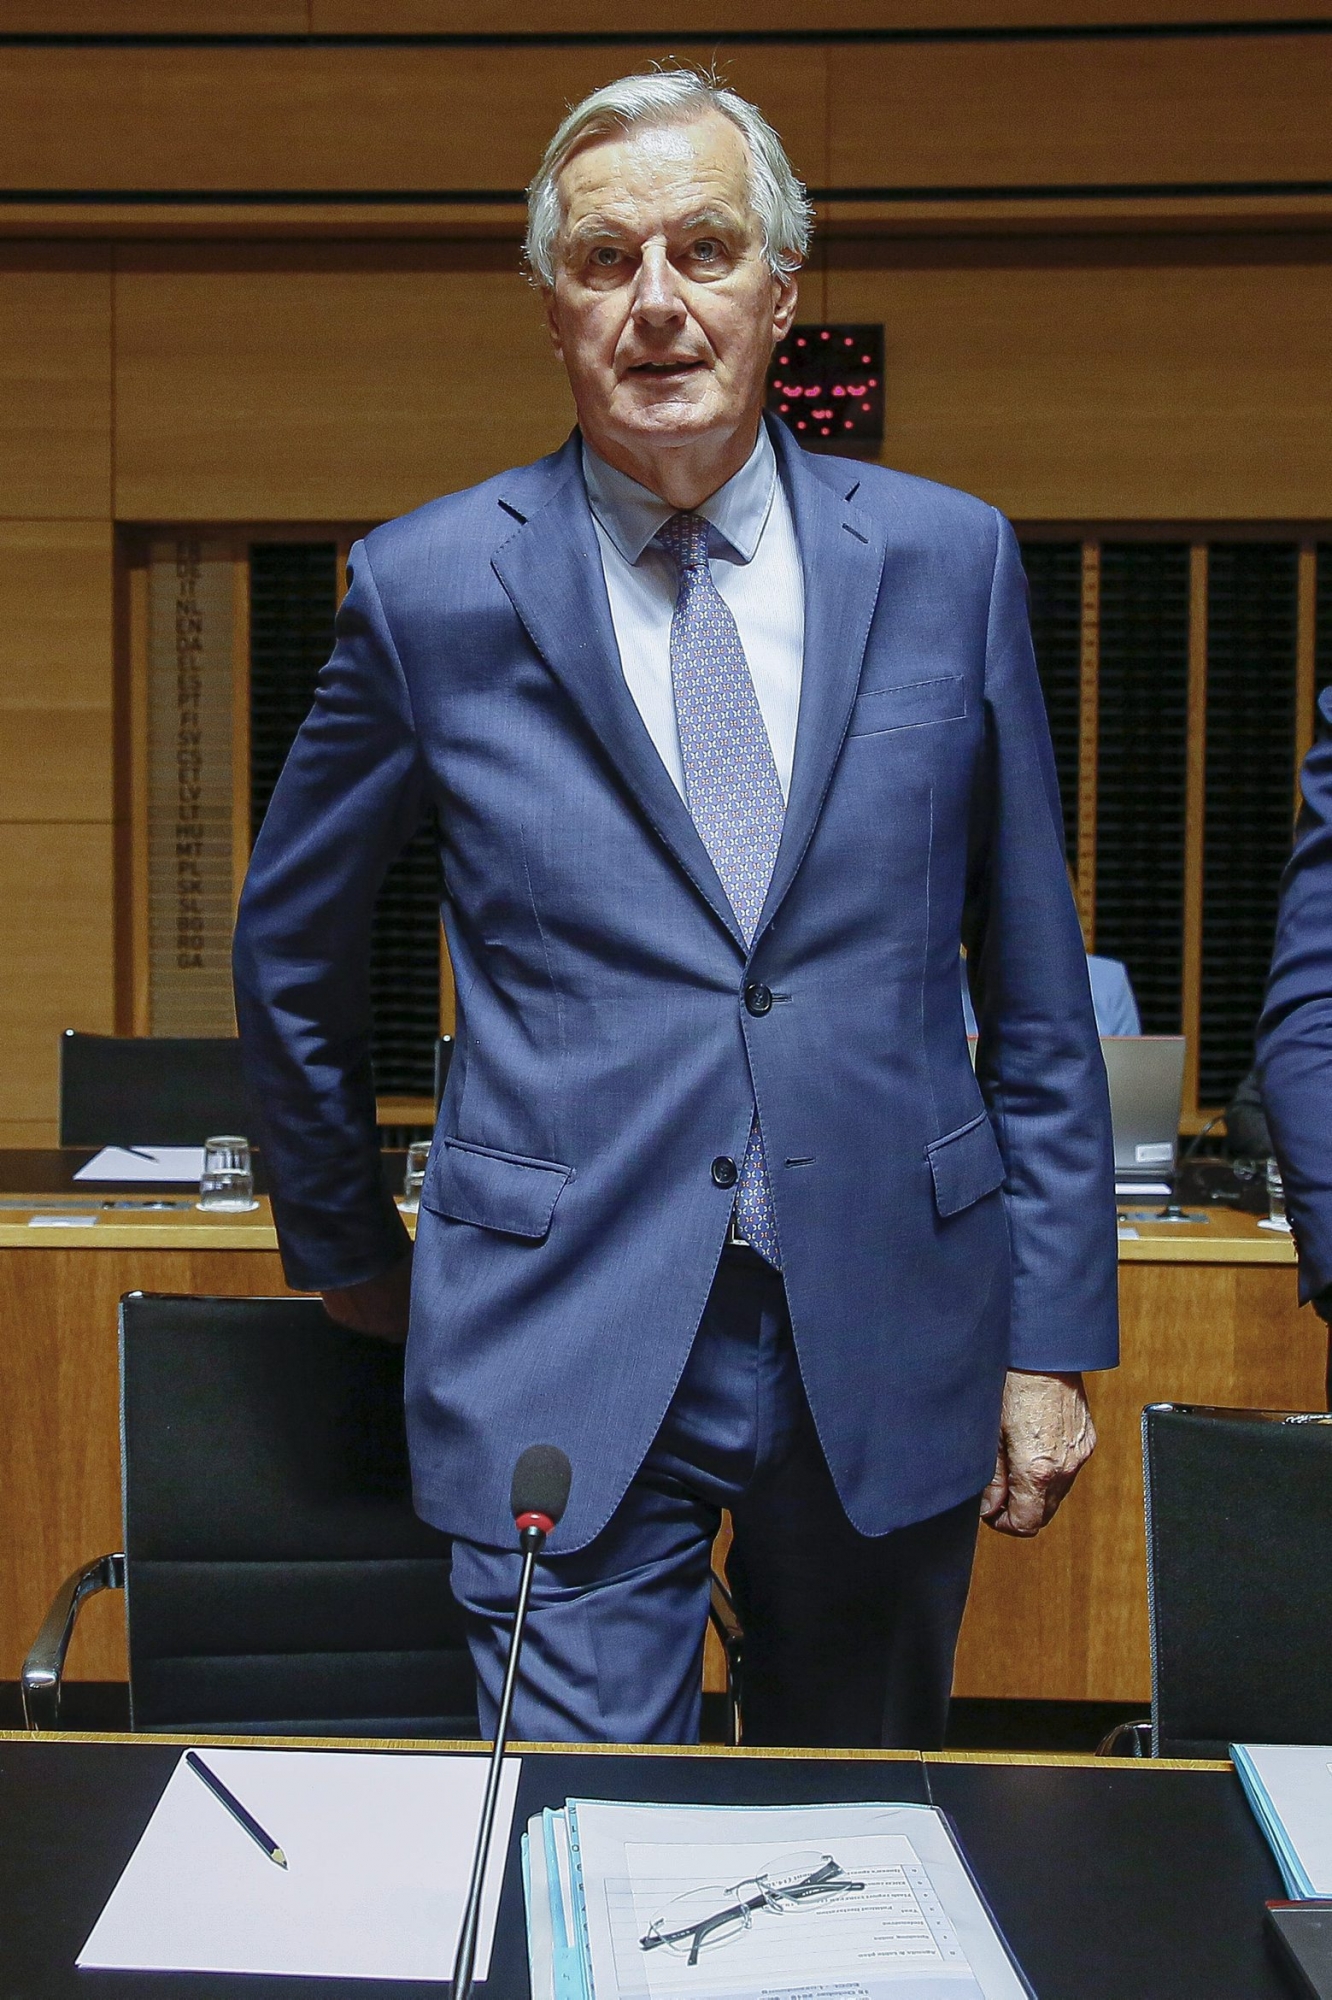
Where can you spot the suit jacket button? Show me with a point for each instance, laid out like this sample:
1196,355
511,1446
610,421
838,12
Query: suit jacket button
725,1172
758,999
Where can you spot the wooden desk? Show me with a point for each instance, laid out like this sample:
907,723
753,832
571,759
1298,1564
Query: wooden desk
1112,1880
1209,1315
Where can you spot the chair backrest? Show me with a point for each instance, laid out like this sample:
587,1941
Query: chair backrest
150,1090
1239,1584
276,1577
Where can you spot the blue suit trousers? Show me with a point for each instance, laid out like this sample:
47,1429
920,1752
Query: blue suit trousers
849,1639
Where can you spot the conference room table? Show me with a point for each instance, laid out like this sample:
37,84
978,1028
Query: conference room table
1111,1879
1209,1315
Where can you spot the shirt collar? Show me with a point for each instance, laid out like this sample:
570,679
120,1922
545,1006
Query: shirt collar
631,515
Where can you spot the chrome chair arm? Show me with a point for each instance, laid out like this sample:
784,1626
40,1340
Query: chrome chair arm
726,1623
44,1668
1126,1739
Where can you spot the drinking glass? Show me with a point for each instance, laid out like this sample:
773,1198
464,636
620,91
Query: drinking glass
1276,1198
226,1184
413,1179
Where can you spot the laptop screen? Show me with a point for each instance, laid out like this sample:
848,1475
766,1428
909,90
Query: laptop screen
1146,1078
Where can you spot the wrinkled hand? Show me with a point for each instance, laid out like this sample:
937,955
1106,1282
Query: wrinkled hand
379,1306
1046,1435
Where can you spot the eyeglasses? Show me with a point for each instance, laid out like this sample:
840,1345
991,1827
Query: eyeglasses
694,1922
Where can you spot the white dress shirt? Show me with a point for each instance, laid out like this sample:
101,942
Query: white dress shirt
756,567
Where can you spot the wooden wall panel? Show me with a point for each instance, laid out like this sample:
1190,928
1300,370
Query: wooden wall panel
55,670
1133,382
1049,112
157,17
328,117
55,382
499,17
56,952
814,16
279,386
1058,381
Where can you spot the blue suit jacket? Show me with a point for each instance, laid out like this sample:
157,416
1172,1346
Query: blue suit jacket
1295,1032
936,1226
1113,1001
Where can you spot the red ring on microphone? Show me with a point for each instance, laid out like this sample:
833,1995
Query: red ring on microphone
542,1521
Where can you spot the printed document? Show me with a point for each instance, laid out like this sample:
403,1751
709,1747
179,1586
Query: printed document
836,1902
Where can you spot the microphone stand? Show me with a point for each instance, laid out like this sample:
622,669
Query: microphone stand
533,1529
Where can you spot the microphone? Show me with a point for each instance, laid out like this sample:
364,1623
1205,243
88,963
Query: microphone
537,1499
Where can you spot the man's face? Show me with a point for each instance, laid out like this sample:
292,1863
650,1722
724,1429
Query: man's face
664,310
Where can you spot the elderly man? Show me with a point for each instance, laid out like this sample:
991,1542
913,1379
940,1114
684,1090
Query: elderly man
724,740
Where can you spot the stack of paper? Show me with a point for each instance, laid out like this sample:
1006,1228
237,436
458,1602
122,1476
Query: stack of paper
647,1902
1289,1786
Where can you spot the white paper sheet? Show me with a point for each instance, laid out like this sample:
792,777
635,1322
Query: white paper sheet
379,1856
70,1219
146,1163
914,1928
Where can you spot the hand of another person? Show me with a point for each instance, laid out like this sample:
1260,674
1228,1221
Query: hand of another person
379,1306
1046,1435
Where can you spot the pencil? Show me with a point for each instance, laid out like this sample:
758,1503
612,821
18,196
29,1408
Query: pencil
235,1808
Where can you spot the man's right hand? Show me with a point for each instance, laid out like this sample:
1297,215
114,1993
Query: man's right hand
380,1306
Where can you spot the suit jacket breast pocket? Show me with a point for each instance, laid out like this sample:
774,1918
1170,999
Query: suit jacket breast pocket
943,698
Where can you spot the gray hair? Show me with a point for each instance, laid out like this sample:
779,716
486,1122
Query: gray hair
668,97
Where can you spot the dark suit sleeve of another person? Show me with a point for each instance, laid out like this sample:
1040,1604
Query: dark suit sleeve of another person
1038,1057
1247,1134
1295,1033
351,794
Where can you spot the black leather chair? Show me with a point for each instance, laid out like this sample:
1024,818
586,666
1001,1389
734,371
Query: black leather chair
150,1090
1239,1585
277,1580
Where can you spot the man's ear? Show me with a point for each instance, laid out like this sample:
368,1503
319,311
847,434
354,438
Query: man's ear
788,295
552,320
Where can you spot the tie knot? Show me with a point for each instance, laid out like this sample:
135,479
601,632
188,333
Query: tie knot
685,539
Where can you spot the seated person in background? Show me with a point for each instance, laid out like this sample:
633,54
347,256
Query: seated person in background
1112,998
1247,1135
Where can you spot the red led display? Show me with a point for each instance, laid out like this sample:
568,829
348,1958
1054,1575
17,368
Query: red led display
826,382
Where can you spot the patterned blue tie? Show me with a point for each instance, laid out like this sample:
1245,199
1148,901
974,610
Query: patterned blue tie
731,787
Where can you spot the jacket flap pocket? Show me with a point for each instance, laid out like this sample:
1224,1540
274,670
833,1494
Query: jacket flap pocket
494,1190
965,1164
940,699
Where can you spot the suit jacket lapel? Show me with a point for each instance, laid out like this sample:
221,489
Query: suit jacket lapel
551,570
842,556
